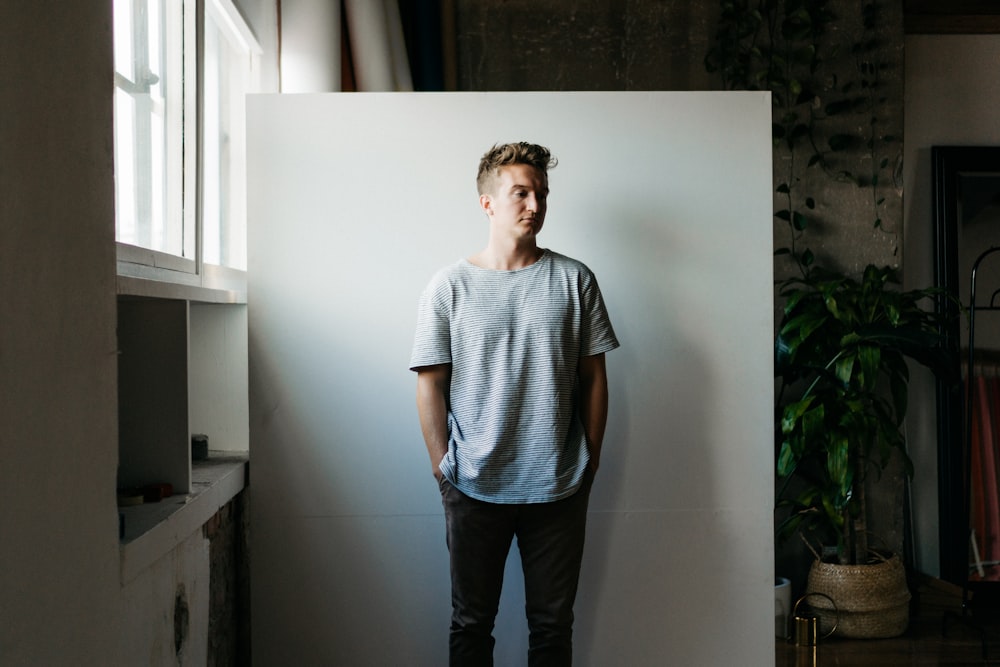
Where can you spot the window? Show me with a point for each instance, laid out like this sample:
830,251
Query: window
182,68
231,70
160,219
150,205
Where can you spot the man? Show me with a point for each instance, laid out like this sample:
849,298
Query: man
512,395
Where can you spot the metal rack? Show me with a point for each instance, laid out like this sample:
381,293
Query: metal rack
975,616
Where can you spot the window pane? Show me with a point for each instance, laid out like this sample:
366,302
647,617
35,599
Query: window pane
148,133
125,207
123,39
229,71
213,196
159,227
154,38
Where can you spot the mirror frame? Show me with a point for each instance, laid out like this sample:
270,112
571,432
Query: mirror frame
949,164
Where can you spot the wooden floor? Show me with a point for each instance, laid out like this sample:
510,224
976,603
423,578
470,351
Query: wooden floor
937,635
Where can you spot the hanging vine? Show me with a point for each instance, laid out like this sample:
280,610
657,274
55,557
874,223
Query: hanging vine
827,98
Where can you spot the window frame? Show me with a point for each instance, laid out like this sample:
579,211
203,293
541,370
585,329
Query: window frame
176,28
234,29
148,272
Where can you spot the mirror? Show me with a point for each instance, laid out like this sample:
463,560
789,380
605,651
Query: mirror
966,198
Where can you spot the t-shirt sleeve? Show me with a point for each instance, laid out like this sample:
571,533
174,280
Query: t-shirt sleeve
432,340
597,334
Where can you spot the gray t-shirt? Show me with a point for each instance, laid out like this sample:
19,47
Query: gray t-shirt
514,340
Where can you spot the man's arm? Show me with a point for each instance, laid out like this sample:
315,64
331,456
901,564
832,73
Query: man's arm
594,404
433,384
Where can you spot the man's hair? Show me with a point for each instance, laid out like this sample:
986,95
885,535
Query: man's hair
504,155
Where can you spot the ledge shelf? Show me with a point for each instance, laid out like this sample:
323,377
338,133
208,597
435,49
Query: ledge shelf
154,529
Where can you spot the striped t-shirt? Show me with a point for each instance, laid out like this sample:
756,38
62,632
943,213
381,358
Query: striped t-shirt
514,340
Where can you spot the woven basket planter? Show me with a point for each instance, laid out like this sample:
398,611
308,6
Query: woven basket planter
872,601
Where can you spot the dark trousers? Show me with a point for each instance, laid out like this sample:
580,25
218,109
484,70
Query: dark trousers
550,539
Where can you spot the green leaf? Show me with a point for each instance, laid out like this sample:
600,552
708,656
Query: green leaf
833,513
799,221
793,413
787,460
830,300
789,526
844,369
799,327
869,357
814,424
838,466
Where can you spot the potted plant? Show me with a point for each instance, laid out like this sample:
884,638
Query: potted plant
842,338
841,357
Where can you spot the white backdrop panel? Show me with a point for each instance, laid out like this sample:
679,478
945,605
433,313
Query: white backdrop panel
355,200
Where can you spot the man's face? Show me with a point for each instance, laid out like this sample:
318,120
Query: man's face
518,204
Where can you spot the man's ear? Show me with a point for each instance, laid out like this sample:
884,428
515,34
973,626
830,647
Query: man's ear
486,203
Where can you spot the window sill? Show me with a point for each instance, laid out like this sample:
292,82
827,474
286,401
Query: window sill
152,530
147,273
161,289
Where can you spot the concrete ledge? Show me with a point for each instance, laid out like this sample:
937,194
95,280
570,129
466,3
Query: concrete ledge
155,529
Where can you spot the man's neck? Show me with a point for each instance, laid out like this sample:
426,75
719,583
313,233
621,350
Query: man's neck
507,259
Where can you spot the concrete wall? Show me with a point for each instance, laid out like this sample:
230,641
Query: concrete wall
584,45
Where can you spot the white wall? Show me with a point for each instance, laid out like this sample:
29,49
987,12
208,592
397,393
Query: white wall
58,439
951,93
179,581
310,46
355,201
